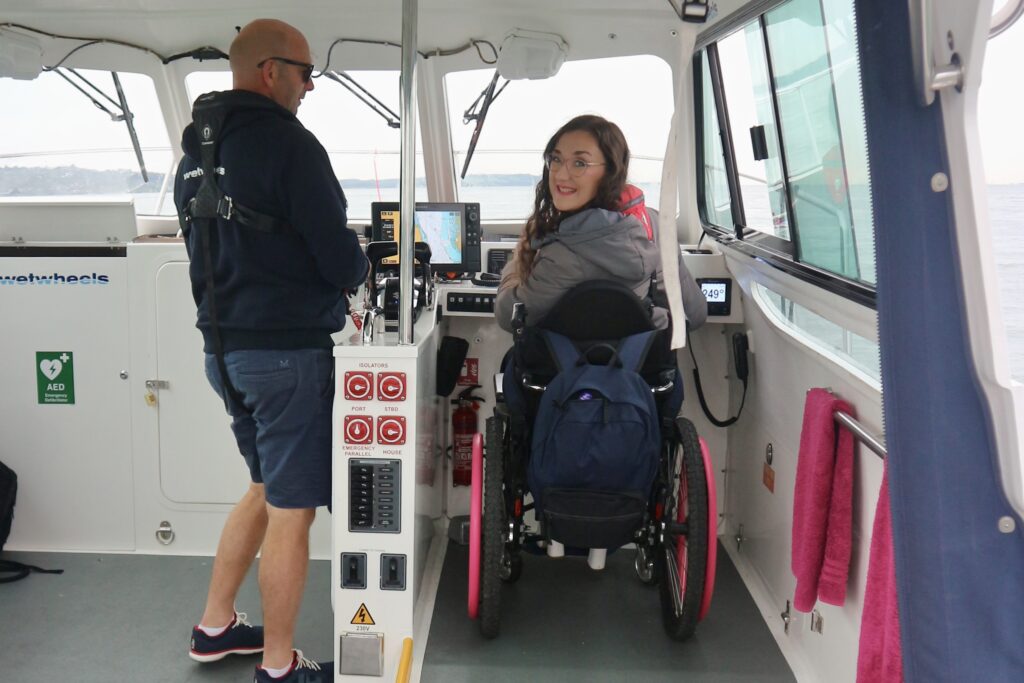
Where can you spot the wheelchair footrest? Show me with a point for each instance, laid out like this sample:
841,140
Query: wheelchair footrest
592,519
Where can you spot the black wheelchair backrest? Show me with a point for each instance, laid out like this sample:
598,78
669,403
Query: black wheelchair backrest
595,313
598,310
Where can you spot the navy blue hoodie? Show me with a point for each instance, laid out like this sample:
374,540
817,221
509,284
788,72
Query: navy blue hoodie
281,290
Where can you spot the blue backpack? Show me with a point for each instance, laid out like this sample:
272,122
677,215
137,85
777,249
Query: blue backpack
597,426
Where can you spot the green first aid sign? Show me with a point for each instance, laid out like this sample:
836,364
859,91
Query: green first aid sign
55,376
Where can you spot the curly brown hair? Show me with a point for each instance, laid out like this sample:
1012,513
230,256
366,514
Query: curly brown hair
545,217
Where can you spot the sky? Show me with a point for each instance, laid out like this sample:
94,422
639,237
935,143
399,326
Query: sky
365,147
1000,100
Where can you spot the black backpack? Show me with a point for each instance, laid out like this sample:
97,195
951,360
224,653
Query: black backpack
9,569
8,493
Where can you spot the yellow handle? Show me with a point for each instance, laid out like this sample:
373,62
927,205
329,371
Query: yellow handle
405,663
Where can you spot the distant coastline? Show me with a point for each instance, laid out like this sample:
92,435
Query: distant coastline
28,181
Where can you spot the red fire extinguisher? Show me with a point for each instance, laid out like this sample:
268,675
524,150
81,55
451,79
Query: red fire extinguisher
464,426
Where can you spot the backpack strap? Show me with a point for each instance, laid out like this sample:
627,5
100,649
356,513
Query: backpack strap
11,571
209,114
210,204
634,348
562,350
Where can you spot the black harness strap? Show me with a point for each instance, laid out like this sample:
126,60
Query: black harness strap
210,204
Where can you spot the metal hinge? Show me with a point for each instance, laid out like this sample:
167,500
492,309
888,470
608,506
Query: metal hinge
786,619
817,622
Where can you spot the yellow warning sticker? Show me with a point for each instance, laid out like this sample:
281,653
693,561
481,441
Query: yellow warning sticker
362,616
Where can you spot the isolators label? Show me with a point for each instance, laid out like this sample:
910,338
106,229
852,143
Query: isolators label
55,376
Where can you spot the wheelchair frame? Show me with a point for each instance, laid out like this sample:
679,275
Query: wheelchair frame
676,542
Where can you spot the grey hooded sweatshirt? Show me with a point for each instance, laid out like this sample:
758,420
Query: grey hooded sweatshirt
594,244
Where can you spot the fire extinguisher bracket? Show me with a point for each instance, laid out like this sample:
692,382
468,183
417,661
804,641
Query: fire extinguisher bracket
464,426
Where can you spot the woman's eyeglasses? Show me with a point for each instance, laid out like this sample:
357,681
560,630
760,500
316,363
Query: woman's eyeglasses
307,69
577,167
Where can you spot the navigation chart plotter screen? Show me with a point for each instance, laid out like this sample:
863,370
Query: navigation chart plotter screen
447,228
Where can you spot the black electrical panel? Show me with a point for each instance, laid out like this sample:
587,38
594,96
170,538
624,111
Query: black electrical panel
375,495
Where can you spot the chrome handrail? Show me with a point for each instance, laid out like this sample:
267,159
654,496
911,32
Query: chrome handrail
862,434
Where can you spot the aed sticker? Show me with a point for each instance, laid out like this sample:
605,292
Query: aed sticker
55,377
362,616
768,478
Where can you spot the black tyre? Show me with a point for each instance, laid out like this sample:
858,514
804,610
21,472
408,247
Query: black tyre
683,556
495,526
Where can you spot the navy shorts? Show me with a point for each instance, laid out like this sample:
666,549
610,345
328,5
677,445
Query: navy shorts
284,431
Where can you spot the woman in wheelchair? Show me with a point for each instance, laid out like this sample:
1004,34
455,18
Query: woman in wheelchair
588,426
576,234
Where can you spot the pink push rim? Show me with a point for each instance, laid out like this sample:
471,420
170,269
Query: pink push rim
709,576
475,508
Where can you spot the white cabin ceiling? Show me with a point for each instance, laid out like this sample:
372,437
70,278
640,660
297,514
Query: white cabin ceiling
171,26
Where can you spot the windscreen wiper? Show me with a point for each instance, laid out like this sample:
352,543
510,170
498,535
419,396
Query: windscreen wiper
125,115
364,96
484,100
129,118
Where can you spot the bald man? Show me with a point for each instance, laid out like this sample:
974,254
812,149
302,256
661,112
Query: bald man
281,260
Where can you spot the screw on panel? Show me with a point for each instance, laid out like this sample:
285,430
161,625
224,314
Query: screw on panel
1007,525
786,619
940,182
739,537
123,374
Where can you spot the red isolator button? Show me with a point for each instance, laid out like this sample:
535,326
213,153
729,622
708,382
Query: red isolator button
391,386
359,386
391,430
358,429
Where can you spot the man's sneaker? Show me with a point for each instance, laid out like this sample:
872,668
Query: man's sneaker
240,638
301,671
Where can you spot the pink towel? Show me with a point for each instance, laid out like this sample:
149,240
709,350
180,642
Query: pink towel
880,658
823,504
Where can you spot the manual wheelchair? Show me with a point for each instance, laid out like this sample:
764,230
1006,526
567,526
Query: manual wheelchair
673,529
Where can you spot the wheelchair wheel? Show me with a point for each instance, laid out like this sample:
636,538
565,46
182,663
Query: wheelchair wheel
511,567
495,527
684,548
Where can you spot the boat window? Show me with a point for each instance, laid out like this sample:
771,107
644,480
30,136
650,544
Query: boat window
790,85
749,102
717,207
813,46
1003,149
635,92
66,145
850,350
363,149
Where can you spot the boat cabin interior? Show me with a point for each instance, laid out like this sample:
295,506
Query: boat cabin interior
837,497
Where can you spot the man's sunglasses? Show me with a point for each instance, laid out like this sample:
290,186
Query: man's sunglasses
307,69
